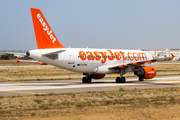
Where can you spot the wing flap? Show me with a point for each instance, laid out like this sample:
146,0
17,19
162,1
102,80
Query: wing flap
134,63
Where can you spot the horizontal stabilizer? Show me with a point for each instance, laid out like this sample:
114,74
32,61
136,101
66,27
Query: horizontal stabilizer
53,51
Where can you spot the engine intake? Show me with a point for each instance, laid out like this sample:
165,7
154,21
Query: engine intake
146,72
28,53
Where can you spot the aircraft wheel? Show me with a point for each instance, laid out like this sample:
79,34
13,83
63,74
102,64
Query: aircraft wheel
84,80
89,80
123,80
141,79
118,80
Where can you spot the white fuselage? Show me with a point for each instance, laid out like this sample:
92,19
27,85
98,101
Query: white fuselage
91,60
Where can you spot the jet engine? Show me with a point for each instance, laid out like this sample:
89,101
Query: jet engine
146,72
97,76
28,53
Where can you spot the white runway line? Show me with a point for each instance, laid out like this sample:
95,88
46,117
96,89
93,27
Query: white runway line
75,84
27,87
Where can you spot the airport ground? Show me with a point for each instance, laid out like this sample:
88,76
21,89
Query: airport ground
11,71
154,99
149,104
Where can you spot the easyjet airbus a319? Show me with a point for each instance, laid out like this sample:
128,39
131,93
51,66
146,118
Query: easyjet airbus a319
93,63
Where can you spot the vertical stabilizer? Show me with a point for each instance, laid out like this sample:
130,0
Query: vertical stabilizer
45,37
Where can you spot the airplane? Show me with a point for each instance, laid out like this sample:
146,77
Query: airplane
93,63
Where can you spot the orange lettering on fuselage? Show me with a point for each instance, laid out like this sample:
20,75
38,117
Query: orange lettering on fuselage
95,55
123,56
104,57
82,55
117,55
142,55
111,56
130,56
90,55
136,56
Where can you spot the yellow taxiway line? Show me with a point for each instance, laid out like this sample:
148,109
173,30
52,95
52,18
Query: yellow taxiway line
170,80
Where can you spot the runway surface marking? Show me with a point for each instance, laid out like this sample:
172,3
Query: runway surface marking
29,86
44,87
23,92
131,87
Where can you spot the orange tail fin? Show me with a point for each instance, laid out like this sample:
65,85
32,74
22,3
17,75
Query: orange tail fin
45,37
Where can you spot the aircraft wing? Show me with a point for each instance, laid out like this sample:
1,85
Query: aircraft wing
166,58
15,53
124,65
139,63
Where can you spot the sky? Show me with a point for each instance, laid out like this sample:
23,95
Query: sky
118,24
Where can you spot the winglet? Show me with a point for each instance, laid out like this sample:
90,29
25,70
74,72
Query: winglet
17,60
45,37
41,63
172,56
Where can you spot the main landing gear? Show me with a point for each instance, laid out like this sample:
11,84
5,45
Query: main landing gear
141,79
121,79
86,79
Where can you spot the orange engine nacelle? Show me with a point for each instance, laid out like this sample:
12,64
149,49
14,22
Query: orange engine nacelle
146,72
97,76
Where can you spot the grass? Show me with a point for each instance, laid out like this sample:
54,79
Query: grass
38,101
163,103
155,103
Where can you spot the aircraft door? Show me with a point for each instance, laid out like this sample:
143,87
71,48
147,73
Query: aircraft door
71,57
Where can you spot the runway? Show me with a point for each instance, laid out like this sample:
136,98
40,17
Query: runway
68,86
